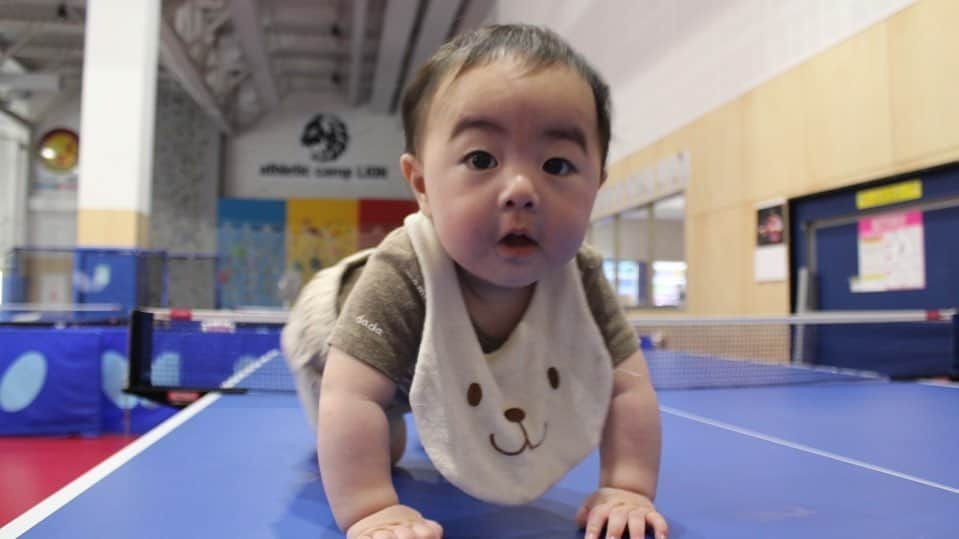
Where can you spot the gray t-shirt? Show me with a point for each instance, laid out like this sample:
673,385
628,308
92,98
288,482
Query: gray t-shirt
382,310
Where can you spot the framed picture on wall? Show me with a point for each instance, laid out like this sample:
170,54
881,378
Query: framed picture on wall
770,262
771,225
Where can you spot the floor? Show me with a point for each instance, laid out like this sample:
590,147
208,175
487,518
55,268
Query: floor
33,468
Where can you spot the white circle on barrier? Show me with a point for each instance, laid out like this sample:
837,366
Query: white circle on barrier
114,370
166,369
23,381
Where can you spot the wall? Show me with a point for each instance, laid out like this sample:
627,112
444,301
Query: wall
51,218
879,103
185,178
670,62
14,147
273,162
186,174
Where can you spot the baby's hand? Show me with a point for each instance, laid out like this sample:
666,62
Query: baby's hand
395,522
620,510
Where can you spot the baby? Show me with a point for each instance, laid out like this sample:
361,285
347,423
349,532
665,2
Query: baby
484,315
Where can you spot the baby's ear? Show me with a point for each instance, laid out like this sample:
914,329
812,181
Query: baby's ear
413,172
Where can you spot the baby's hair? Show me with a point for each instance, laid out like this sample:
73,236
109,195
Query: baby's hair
535,47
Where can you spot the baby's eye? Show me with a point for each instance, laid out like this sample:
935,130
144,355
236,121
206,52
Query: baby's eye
480,160
474,394
553,376
558,166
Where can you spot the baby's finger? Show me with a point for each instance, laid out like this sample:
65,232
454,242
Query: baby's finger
658,523
616,523
584,510
637,523
402,532
436,527
383,534
427,530
597,519
582,514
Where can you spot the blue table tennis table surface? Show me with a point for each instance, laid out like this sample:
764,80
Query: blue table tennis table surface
850,460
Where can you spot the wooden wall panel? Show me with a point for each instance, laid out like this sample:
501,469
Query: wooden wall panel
924,80
774,139
847,91
719,253
716,145
883,102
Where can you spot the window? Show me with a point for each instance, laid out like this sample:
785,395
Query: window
669,283
644,250
629,282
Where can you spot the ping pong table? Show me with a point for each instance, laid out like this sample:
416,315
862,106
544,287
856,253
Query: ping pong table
870,459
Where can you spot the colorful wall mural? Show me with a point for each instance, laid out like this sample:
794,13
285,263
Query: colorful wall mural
268,248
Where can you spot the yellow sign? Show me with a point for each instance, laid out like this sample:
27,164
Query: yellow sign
889,194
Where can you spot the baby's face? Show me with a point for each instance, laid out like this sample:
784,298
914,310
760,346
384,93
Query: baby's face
511,164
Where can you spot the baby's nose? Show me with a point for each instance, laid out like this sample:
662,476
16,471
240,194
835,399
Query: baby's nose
515,415
520,194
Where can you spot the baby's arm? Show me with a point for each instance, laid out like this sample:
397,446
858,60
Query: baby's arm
629,458
353,446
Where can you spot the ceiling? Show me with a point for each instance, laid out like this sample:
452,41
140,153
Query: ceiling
239,59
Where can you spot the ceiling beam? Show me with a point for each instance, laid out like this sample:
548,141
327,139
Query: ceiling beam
50,23
15,116
357,45
303,29
397,27
434,29
437,22
298,54
474,14
21,41
32,82
177,61
47,52
249,32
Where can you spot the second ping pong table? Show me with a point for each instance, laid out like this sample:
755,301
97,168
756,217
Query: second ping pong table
871,459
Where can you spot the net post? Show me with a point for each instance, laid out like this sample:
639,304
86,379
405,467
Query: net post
140,349
954,372
803,305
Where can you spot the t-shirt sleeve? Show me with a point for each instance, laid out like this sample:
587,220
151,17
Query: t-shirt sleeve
619,334
382,318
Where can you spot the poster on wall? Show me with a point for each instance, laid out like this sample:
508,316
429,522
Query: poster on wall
268,249
251,251
770,259
891,253
319,232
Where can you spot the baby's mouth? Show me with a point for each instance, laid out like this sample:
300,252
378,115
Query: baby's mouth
517,240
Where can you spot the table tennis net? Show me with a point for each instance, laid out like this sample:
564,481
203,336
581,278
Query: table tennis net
204,351
824,347
61,315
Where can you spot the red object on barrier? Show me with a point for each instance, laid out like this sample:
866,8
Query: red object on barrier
181,314
179,398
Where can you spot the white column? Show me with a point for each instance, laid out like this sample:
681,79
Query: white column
14,141
117,121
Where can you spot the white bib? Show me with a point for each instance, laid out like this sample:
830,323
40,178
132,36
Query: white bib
506,426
